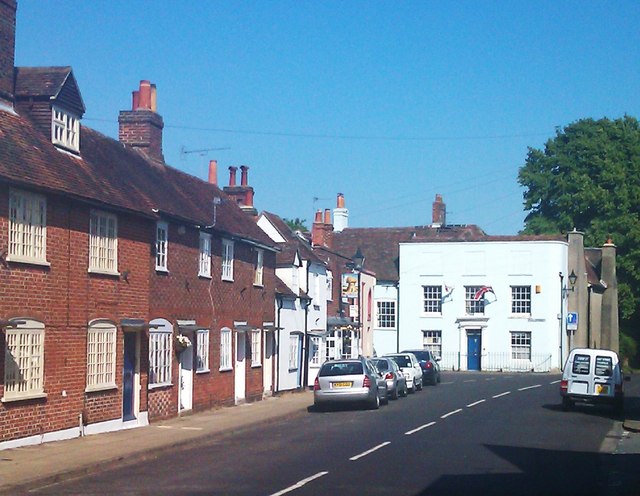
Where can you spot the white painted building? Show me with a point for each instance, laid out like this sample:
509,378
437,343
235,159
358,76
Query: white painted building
484,305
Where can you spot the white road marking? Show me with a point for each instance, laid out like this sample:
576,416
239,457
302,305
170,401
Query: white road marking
476,403
490,379
470,380
298,485
408,433
164,426
450,382
501,394
451,413
555,382
530,387
368,452
191,428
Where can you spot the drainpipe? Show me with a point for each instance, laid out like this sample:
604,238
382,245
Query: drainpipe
589,289
397,285
277,343
305,341
561,315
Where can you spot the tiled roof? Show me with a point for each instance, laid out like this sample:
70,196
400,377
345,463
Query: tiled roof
109,174
283,289
294,244
40,81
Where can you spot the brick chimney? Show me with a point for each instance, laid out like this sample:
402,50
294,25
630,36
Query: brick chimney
242,194
7,53
322,229
141,127
213,172
340,215
438,213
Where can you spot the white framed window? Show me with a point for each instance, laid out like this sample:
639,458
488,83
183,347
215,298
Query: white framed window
386,314
432,299
162,240
432,341
259,270
329,286
256,348
101,356
227,260
204,265
520,345
24,361
293,352
472,305
160,353
225,349
521,300
65,129
103,242
202,350
27,227
315,351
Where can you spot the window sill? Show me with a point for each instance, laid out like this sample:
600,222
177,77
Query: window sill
226,369
34,396
205,276
227,279
203,371
520,316
159,386
256,365
162,270
30,261
293,370
96,389
258,285
104,272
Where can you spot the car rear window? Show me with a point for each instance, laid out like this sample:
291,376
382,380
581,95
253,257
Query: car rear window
350,368
604,365
581,364
402,361
381,364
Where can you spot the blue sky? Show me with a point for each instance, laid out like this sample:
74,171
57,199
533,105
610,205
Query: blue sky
386,102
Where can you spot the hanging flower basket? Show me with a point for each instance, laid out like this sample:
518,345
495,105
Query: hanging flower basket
181,343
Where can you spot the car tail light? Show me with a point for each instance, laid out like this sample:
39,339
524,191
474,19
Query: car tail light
564,385
389,375
367,382
428,365
316,385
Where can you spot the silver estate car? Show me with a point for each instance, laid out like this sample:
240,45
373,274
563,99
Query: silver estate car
354,380
396,383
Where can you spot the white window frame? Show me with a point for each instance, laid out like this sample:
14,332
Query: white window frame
103,243
227,260
386,314
432,341
294,344
471,305
329,286
521,301
160,353
202,350
256,348
225,349
65,129
432,299
27,227
162,246
204,258
24,361
259,271
315,345
521,345
101,356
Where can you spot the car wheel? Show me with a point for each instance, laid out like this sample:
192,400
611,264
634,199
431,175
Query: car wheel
439,378
394,393
419,386
411,390
385,399
375,404
566,404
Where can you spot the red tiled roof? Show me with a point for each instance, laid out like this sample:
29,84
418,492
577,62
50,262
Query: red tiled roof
40,81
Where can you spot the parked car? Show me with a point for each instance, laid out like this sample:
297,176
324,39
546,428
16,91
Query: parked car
349,381
396,383
410,367
429,364
592,375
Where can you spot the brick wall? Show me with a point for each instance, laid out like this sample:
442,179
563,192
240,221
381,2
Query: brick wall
7,54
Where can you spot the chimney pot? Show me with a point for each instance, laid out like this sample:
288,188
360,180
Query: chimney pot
135,100
244,175
340,200
154,98
232,175
318,217
327,216
213,172
145,95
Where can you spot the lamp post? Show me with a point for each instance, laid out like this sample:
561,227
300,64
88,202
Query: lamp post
356,265
305,301
564,290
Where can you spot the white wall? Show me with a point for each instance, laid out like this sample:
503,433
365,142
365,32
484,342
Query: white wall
385,339
499,264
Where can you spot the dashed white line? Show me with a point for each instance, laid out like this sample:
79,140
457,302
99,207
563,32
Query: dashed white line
408,433
451,413
298,485
475,403
555,382
529,387
368,452
501,394
470,380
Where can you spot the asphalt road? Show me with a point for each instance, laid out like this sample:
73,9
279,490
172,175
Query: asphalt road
474,434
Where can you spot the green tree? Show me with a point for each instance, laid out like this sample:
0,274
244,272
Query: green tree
296,224
588,177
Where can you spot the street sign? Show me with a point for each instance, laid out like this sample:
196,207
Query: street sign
572,321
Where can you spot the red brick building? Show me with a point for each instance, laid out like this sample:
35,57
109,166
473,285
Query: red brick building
129,290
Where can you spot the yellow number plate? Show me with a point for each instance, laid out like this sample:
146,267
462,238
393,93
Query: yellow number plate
342,384
602,389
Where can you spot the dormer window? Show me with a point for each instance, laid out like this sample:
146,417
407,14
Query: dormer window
65,129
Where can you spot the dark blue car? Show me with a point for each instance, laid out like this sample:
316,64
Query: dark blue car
429,365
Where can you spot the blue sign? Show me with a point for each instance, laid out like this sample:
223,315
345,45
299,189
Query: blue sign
572,321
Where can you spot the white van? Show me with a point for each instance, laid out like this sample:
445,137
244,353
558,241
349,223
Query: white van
592,376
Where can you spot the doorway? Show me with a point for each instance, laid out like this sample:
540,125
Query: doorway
185,392
240,379
130,377
474,349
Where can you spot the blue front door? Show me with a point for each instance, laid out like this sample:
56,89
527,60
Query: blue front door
474,345
128,384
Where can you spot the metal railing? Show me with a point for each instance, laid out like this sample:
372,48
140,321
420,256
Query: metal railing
498,362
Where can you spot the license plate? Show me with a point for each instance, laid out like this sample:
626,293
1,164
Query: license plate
602,389
342,384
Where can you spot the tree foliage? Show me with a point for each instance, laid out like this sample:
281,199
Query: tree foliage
588,177
296,224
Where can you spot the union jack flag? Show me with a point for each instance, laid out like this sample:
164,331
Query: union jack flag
482,291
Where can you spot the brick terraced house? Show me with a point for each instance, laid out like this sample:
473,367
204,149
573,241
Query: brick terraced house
129,290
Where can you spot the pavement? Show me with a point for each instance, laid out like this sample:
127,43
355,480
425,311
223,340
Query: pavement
29,467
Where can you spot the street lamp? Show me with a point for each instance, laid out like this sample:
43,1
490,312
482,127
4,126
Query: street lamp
356,265
572,282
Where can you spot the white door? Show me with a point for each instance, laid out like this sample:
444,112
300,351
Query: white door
185,393
267,368
240,374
